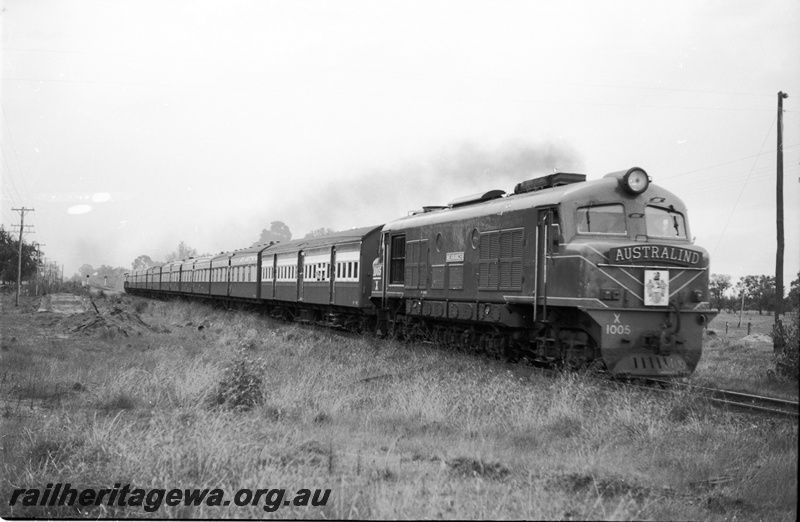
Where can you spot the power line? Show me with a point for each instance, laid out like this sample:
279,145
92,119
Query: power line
317,92
742,191
407,73
14,150
728,162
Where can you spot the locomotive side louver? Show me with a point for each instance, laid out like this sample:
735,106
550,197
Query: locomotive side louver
546,182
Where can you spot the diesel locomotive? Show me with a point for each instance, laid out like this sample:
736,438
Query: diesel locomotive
562,270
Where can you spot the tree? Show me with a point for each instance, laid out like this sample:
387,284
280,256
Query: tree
759,291
142,262
184,251
323,231
278,231
793,299
104,275
9,258
113,277
718,284
86,270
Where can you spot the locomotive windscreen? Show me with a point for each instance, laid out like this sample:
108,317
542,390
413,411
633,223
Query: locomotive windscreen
602,219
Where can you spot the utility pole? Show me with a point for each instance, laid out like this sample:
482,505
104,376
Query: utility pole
777,345
22,212
38,264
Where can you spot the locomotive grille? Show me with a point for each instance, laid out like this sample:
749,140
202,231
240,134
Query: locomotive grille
500,261
416,275
456,277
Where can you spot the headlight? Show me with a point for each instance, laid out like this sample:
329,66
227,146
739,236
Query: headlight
636,180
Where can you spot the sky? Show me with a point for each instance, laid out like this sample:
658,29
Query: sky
130,126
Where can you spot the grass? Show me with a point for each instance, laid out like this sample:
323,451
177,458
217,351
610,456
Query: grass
742,362
395,431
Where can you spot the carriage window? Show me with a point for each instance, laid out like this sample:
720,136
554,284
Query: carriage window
602,219
398,260
662,222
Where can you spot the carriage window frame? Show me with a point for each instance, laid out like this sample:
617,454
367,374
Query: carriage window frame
581,220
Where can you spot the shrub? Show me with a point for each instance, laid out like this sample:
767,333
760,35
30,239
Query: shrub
787,363
140,306
241,385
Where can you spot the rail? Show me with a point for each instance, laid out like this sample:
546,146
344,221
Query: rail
736,400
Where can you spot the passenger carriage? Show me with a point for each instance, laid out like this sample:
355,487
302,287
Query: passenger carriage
245,267
185,275
201,278
325,274
220,268
152,278
171,277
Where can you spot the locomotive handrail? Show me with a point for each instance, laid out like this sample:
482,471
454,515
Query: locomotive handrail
651,267
672,306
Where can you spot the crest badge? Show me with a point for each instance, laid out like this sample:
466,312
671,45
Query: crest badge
656,287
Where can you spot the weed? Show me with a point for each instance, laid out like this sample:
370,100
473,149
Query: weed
787,363
241,385
140,306
118,401
606,488
477,468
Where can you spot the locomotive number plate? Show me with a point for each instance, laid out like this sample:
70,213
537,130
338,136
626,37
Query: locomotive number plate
618,328
455,257
656,287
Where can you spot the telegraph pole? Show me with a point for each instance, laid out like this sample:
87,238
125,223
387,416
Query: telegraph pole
19,259
38,263
778,341
36,275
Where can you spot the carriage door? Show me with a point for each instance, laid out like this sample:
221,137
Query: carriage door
332,275
547,231
300,256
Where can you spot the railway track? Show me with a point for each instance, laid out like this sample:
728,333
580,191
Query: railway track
734,400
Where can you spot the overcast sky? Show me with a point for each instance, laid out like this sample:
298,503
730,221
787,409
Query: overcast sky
132,125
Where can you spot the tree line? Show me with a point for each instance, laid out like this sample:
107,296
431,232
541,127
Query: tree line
756,291
278,232
9,258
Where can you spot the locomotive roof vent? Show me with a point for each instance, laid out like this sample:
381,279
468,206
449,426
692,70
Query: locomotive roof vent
476,198
426,209
546,182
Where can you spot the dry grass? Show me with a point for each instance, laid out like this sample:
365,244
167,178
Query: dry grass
395,431
738,361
